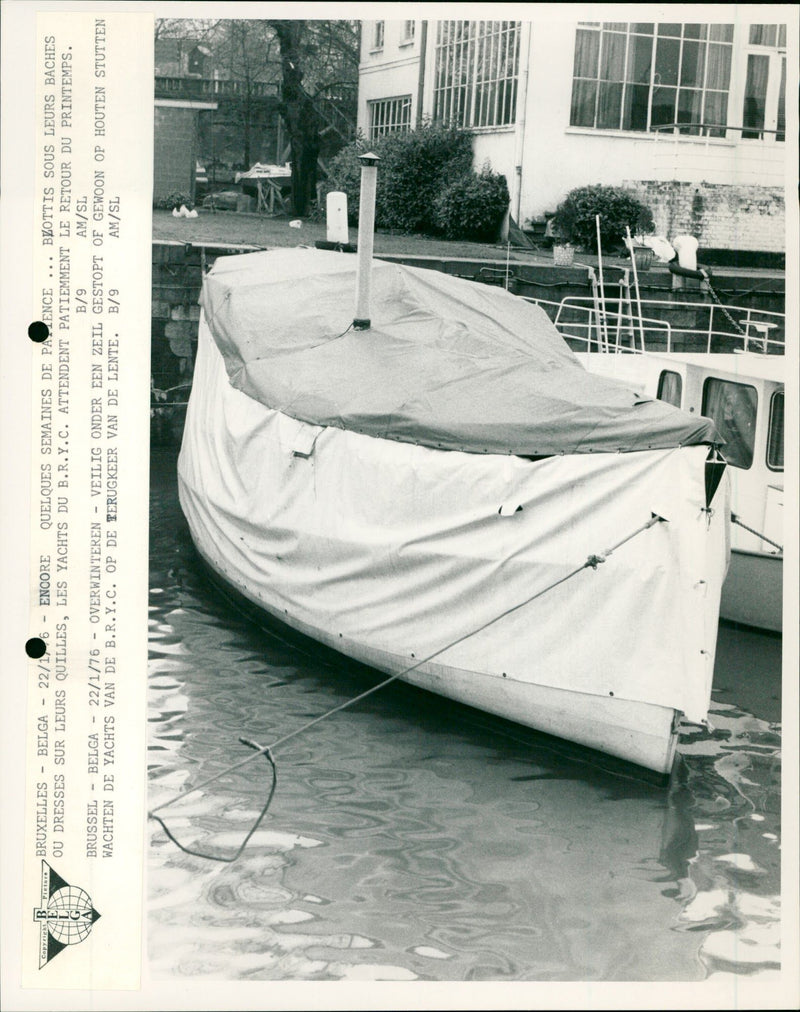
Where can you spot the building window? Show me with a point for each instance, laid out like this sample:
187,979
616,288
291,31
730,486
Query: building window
377,37
408,31
475,83
639,76
775,437
764,108
733,408
773,36
389,115
670,387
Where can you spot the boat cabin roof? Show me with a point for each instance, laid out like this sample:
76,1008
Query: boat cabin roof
743,367
446,363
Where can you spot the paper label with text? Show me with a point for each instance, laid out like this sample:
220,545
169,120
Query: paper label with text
87,646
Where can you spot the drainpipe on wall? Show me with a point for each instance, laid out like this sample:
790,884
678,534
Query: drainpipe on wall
423,42
522,104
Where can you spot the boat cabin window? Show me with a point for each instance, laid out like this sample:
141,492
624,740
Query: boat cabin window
670,387
775,437
733,407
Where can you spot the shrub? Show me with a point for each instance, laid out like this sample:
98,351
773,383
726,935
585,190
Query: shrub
414,168
574,219
473,206
175,200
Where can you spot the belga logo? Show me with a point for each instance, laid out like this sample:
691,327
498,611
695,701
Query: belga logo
65,917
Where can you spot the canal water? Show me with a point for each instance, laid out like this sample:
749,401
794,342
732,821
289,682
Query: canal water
410,838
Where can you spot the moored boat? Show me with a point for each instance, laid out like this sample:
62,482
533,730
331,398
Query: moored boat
744,394
447,495
741,390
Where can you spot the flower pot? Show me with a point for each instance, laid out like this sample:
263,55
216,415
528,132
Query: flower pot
642,257
562,255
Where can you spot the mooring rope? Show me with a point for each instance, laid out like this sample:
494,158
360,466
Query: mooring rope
216,857
592,562
735,519
718,301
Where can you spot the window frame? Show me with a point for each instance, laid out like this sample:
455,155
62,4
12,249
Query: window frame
776,54
401,126
476,73
609,34
409,33
707,414
669,375
770,428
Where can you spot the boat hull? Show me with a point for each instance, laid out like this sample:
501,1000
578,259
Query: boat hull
753,591
641,733
485,578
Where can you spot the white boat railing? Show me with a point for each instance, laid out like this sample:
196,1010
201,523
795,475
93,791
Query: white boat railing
615,326
578,319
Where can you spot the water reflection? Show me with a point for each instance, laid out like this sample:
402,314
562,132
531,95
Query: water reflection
732,887
411,838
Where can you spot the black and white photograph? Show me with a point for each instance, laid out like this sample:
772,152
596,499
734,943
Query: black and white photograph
500,461
455,642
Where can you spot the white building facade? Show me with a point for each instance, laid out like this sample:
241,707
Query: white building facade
691,115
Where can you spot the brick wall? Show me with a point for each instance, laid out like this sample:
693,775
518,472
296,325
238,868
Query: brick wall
178,270
719,216
175,146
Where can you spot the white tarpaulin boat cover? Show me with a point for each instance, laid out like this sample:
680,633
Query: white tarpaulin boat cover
446,363
386,549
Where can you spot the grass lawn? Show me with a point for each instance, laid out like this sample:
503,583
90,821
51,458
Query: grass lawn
268,232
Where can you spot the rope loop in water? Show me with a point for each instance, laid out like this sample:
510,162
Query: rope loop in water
217,857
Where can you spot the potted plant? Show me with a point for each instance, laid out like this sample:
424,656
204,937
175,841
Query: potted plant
561,235
641,254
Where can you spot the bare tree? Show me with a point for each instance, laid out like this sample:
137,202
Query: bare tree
315,64
198,29
303,123
317,58
248,53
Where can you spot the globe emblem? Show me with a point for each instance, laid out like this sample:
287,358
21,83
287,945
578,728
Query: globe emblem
74,907
66,920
